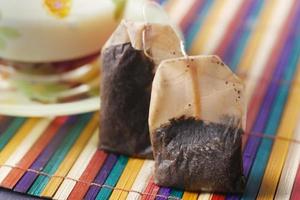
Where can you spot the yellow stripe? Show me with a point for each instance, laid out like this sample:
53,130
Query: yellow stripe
255,40
71,156
127,178
204,35
205,196
17,139
197,48
189,196
280,147
132,178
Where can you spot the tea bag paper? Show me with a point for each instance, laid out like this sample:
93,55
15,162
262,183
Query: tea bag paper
196,119
129,61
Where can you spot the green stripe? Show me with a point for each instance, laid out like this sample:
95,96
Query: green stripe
265,149
51,167
244,38
113,178
10,131
196,27
176,193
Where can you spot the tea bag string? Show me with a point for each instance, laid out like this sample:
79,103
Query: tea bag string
182,48
146,28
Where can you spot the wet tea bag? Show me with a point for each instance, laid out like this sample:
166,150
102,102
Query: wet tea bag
196,120
129,61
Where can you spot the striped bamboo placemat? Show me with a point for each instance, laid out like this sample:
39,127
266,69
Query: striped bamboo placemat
259,40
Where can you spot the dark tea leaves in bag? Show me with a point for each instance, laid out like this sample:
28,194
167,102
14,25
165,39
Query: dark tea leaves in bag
129,61
125,97
196,120
193,155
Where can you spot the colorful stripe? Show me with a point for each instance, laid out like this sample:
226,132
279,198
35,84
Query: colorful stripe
23,147
77,169
150,190
4,123
28,178
15,174
90,172
246,67
270,91
264,149
58,158
101,177
162,193
127,178
280,148
239,40
204,34
296,189
112,178
141,180
289,170
189,196
10,131
71,157
232,28
191,33
16,140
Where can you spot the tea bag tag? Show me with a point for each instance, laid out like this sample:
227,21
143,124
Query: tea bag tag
202,87
153,14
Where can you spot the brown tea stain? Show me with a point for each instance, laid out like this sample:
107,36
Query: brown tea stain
196,88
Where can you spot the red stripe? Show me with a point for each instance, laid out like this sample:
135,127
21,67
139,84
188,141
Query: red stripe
233,26
152,189
261,88
88,175
15,174
296,188
266,77
4,123
218,197
190,15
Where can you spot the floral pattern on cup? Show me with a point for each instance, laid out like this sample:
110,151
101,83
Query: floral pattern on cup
7,33
58,8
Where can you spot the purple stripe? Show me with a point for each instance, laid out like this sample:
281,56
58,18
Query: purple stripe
29,177
4,123
163,191
101,176
233,43
253,142
190,22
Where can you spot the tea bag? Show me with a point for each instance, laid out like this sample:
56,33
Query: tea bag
196,120
129,61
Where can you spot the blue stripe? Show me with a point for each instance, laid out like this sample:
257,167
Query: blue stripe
113,178
196,27
58,157
11,131
265,148
239,44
